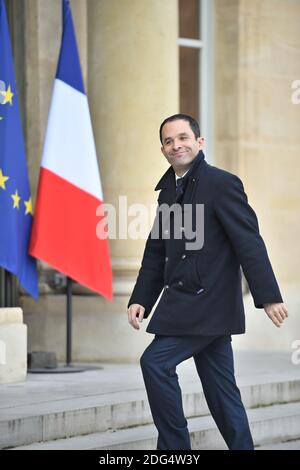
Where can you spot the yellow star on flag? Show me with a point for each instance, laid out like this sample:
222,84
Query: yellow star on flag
16,198
7,95
3,179
28,205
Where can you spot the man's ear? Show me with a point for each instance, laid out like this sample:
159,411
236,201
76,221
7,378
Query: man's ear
162,150
201,141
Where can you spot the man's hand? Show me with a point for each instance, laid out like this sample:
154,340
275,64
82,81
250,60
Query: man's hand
134,311
276,312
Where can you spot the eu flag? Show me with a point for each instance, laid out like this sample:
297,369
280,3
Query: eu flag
15,200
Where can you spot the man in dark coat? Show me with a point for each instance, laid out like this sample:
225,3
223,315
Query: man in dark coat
193,258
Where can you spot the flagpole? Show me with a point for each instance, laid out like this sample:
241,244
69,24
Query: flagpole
67,367
69,321
8,289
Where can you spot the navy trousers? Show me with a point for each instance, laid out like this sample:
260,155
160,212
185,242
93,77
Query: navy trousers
214,363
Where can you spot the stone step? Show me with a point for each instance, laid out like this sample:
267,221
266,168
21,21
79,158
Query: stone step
288,445
269,425
60,419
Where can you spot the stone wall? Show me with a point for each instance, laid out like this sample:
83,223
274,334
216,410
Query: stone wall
257,137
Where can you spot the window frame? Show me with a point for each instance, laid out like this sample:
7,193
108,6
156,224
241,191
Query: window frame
205,48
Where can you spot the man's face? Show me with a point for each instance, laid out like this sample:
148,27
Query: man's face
180,145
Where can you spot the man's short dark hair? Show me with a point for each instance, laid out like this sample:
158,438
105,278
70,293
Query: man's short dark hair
185,117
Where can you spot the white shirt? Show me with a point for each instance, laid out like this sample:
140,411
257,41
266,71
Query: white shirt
176,177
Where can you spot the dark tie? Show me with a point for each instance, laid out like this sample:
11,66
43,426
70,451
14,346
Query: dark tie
179,187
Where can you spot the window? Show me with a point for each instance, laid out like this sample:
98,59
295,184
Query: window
195,59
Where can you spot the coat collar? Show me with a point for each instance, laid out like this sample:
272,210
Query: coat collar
168,179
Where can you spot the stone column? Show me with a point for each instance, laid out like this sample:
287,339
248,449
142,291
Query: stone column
226,76
13,346
133,85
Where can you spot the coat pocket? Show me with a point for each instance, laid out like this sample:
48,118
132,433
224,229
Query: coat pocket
193,281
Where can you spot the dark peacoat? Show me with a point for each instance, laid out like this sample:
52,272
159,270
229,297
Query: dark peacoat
201,292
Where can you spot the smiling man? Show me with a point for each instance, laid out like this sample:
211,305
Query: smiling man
201,304
180,144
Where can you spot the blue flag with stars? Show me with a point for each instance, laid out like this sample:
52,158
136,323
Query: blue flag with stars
15,200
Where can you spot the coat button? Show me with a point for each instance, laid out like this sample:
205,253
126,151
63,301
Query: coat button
166,259
183,256
166,287
180,283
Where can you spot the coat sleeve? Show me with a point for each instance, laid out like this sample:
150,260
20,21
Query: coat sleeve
241,226
150,280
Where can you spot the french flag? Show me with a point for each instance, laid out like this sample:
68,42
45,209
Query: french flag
69,190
